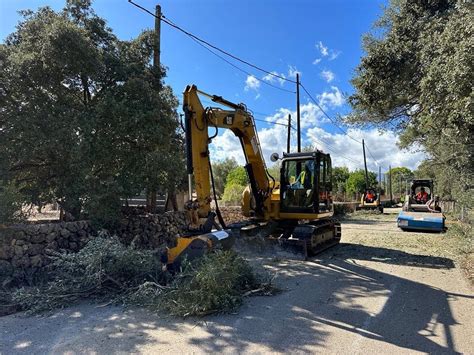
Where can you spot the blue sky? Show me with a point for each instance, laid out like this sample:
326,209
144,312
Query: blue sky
319,39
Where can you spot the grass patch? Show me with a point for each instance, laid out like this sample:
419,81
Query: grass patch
107,270
463,234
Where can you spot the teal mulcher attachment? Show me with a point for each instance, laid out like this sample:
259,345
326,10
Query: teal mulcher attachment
421,210
421,221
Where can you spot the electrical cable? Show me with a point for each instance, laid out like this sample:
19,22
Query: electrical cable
326,114
368,150
172,24
332,149
205,44
242,70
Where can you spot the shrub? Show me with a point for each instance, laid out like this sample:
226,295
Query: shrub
233,193
11,202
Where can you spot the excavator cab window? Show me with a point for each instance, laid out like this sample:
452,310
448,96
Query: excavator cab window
306,183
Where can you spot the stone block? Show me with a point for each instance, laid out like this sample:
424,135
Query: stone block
18,250
36,261
6,252
50,237
40,238
36,249
6,269
52,245
65,233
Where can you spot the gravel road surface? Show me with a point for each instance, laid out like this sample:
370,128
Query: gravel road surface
380,291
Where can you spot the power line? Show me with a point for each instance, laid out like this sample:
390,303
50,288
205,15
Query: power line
326,114
332,149
170,23
376,162
335,124
240,69
205,44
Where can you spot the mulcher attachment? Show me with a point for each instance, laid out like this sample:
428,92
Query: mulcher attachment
303,240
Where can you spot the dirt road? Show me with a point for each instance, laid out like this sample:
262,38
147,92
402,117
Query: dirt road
380,291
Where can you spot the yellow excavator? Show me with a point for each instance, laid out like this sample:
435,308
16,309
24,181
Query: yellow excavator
297,211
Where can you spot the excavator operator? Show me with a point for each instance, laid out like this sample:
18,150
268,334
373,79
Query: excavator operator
370,196
422,196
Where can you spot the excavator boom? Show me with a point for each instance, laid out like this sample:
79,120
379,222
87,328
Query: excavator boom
197,122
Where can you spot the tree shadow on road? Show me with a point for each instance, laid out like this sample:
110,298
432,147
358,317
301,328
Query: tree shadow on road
391,256
342,295
332,302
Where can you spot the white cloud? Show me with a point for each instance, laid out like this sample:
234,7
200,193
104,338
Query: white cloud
292,71
251,83
347,152
317,61
272,78
334,55
332,98
226,145
327,75
325,51
322,49
344,151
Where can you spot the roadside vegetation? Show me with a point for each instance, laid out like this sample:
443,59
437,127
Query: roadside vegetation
107,271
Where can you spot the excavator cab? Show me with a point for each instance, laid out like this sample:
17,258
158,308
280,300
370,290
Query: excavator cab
305,183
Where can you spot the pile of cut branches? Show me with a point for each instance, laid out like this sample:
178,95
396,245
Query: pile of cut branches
218,282
106,270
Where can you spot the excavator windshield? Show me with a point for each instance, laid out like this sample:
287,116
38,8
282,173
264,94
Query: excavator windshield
306,183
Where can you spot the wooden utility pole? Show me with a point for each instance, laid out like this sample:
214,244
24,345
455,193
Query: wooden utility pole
400,185
365,167
298,126
390,183
288,141
380,180
157,67
157,46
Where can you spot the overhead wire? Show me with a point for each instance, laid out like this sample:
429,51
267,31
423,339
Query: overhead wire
172,24
368,150
242,70
205,44
332,149
327,115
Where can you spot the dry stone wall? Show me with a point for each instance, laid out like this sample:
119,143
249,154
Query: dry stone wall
25,248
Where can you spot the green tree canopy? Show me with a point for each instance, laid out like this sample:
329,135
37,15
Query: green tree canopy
401,176
356,181
274,170
237,176
220,171
85,118
339,178
416,78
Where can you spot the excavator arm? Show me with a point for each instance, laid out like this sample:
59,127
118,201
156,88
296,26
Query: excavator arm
198,121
